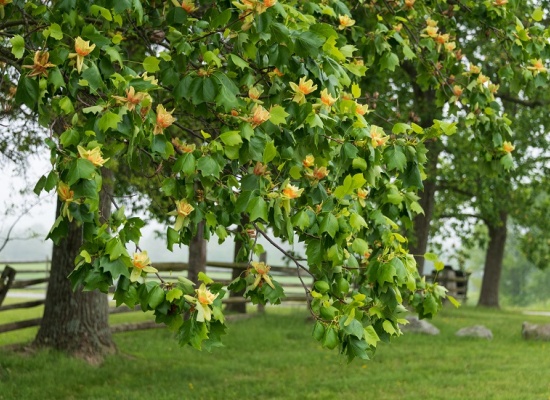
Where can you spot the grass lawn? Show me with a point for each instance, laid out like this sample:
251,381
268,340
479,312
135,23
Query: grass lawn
273,356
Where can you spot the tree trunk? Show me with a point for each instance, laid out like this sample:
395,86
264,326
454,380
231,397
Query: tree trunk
493,264
422,222
197,254
76,322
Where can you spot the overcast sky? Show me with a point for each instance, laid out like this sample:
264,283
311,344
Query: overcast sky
41,216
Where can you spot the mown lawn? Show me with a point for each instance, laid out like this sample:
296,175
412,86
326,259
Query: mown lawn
273,356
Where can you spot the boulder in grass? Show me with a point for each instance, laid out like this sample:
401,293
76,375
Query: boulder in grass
536,332
478,331
416,325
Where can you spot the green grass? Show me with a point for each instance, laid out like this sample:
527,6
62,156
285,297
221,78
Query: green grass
273,356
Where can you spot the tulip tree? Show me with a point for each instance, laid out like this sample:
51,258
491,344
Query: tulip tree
248,108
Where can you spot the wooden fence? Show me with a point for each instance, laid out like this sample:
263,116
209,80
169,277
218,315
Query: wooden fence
34,281
455,281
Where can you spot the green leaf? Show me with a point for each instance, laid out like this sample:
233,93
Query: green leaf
54,31
231,138
400,128
109,120
93,77
389,61
151,64
355,329
395,158
173,294
356,221
156,297
430,257
114,248
538,14
185,164
331,338
17,46
70,137
209,167
205,278
307,44
386,273
27,92
278,115
116,268
80,169
371,337
239,62
439,265
359,163
329,225
454,301
388,327
270,152
257,208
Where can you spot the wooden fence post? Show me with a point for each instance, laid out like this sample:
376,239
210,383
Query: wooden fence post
8,274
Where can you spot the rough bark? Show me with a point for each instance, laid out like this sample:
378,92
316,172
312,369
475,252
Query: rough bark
493,264
75,322
197,254
422,222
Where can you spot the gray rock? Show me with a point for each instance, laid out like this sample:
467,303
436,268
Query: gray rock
416,325
478,331
537,332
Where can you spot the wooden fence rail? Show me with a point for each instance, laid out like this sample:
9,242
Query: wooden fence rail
455,281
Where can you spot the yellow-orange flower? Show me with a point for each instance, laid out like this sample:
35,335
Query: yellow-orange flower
94,156
326,99
291,192
66,195
164,119
450,46
320,173
254,93
507,147
537,66
361,109
474,69
183,147
499,3
431,31
262,272
409,3
457,90
482,79
377,136
188,6
345,22
303,88
258,6
82,48
140,263
308,161
40,64
204,298
259,116
182,211
362,195
132,98
64,192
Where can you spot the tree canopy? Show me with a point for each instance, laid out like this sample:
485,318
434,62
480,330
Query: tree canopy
291,113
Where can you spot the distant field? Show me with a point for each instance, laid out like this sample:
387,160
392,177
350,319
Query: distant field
273,356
